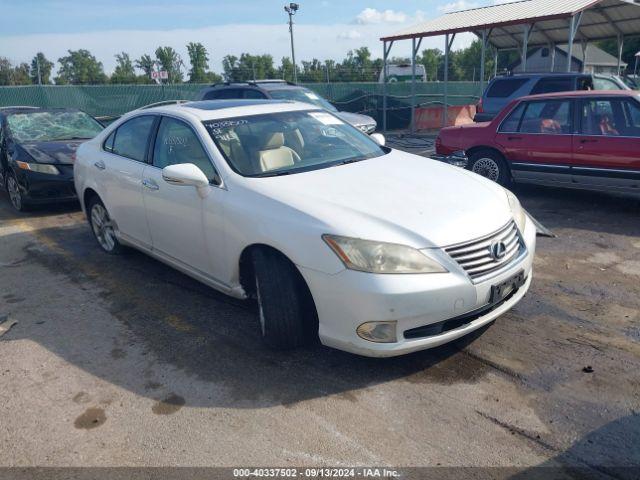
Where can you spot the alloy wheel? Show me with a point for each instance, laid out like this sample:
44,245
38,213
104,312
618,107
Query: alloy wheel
14,193
102,227
488,168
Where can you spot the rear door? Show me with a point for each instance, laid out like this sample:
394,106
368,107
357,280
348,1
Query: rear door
537,140
119,172
606,150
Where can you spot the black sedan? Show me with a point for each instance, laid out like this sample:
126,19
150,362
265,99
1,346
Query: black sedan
37,151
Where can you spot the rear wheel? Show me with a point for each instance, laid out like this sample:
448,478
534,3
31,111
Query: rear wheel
286,313
491,165
15,195
102,227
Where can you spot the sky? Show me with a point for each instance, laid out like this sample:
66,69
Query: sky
324,29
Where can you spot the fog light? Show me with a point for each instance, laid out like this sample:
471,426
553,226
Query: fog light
378,332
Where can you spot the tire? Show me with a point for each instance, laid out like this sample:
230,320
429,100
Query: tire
287,316
491,165
15,195
102,227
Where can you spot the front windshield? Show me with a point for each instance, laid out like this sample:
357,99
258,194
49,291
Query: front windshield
52,126
289,142
302,95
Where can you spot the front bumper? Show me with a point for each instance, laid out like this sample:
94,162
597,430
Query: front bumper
348,299
41,188
457,159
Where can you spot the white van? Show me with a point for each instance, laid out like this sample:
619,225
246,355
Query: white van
402,73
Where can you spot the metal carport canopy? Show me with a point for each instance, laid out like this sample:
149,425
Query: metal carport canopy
601,19
520,25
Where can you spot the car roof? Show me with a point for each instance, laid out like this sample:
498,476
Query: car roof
27,109
542,75
218,109
584,93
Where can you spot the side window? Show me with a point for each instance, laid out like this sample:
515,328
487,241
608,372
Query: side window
254,94
551,117
108,143
132,136
605,84
602,117
228,93
512,122
504,88
177,143
633,113
211,95
552,85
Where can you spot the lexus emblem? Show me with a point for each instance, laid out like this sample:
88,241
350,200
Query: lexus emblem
498,250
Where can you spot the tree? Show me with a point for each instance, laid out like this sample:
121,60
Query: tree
124,72
248,67
80,67
199,59
431,59
21,74
630,48
6,71
146,64
41,67
170,62
285,70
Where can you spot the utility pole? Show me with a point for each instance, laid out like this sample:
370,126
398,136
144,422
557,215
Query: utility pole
291,10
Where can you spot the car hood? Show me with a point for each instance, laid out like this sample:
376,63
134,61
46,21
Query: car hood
59,152
356,119
399,198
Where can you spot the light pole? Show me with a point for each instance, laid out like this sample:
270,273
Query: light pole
291,9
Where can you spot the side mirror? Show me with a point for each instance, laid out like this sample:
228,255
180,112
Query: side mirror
186,175
379,139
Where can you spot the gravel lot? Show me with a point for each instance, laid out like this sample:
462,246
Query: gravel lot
122,361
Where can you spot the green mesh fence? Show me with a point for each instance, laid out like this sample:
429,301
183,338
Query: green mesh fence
115,100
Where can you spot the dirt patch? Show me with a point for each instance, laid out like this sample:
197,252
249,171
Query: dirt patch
91,418
169,405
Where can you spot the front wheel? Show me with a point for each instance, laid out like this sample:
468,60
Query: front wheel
102,227
286,312
491,165
15,195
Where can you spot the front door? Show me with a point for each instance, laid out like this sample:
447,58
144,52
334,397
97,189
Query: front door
537,141
606,153
175,214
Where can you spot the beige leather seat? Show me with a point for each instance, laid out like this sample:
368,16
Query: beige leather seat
275,155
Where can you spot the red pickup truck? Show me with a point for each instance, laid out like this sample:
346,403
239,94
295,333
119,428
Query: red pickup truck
585,139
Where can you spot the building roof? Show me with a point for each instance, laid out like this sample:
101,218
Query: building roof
595,56
602,19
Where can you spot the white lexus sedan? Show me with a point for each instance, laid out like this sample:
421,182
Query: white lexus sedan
374,251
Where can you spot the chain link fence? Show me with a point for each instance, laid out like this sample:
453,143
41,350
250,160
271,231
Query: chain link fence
367,98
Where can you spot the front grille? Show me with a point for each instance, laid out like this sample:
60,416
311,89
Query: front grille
476,257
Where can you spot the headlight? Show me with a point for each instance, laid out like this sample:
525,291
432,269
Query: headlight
379,257
518,212
39,167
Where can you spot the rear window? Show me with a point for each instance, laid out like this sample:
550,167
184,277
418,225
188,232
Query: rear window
552,85
506,87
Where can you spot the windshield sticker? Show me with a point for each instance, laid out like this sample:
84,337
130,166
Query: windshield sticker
326,118
312,95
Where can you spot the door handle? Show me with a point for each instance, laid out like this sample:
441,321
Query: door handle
588,140
100,165
514,138
150,184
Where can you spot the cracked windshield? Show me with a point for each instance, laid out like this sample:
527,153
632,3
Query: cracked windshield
52,126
